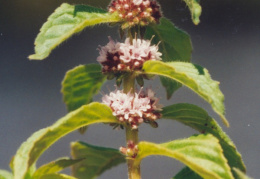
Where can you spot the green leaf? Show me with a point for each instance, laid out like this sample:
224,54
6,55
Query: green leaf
98,3
56,176
80,84
198,119
98,160
193,76
170,85
174,43
195,10
6,174
54,167
187,173
65,22
239,174
29,173
31,150
201,153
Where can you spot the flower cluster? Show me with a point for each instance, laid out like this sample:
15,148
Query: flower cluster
131,150
128,56
134,108
136,12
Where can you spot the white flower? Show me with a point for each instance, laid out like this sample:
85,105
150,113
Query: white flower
137,2
117,56
133,108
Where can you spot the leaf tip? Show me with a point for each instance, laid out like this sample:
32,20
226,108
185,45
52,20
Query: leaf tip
36,57
196,14
225,121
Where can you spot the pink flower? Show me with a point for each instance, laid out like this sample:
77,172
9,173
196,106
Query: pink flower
127,56
111,48
136,12
141,51
133,108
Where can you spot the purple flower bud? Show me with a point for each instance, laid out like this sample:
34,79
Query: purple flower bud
136,12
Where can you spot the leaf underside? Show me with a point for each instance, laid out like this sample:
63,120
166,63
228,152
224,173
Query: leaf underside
5,174
30,150
80,85
97,160
239,174
56,176
201,153
65,22
193,76
198,119
54,167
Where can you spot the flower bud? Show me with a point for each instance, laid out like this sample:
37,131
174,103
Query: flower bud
131,12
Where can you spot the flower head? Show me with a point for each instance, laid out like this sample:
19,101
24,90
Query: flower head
127,56
136,12
133,108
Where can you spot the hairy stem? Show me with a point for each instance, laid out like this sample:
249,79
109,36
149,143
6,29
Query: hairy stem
131,135
133,170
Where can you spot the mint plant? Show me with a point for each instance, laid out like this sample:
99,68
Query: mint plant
150,46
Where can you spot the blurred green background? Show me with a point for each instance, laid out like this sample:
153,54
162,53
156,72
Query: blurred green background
226,42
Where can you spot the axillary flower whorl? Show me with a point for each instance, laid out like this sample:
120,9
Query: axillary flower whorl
136,12
133,109
118,57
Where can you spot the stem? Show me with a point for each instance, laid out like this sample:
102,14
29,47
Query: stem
129,83
131,135
133,170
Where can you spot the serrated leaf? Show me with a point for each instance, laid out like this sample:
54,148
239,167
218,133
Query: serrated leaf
56,176
193,76
35,145
65,22
198,119
80,85
187,173
195,10
98,160
174,43
54,167
201,153
239,174
6,174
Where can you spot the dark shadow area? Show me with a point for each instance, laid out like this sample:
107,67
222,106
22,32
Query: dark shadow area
89,9
200,69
